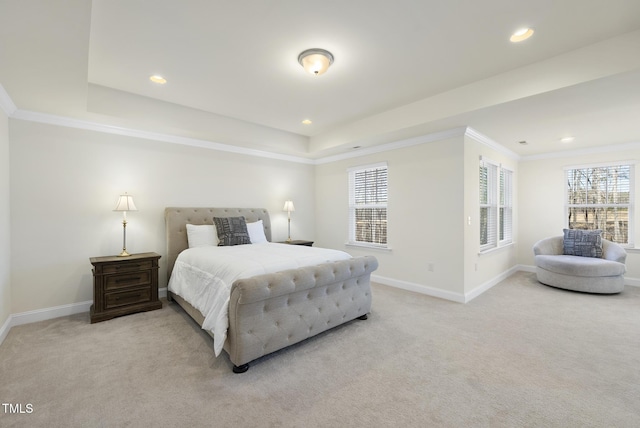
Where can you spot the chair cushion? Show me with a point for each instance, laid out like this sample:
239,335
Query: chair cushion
579,266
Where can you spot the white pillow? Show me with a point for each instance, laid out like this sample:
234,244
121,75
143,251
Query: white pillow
202,235
256,232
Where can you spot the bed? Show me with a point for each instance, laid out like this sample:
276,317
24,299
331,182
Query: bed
269,311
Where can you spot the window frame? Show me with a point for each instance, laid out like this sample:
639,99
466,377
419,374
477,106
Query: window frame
630,206
497,200
353,205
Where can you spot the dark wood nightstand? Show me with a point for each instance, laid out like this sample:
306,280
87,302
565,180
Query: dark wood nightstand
298,242
124,285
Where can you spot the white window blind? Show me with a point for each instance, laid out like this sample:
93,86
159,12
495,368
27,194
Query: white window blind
506,209
601,197
368,196
496,205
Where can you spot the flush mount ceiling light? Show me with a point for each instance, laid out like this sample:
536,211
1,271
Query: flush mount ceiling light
522,34
315,61
158,79
307,122
567,139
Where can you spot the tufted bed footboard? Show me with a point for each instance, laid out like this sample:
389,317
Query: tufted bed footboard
272,311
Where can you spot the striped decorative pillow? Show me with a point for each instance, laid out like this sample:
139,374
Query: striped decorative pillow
231,231
584,243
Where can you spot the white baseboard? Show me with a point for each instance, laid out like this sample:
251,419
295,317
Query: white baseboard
42,315
634,282
419,288
487,285
526,268
59,311
50,313
4,330
444,294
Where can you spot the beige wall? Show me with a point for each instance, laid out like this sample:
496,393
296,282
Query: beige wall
5,227
433,192
65,182
425,213
541,202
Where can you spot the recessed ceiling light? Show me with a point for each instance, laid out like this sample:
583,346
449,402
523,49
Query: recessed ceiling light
523,143
522,34
306,122
567,139
158,79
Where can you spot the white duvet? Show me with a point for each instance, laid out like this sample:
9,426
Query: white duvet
203,275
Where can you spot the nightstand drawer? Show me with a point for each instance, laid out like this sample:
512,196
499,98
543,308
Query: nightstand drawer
114,300
127,266
133,279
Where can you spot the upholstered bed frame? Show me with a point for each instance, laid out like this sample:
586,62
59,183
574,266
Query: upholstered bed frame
272,311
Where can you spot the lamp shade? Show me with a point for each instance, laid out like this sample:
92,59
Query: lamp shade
288,206
125,203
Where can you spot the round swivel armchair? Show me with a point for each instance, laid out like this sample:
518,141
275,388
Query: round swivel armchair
603,275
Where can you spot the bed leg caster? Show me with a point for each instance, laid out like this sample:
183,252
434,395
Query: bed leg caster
363,317
240,369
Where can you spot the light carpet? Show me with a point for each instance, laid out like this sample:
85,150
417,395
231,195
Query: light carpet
520,355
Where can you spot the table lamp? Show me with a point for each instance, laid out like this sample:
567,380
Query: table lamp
288,207
125,203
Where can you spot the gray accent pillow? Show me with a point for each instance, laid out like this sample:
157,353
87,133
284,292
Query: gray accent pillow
231,231
584,243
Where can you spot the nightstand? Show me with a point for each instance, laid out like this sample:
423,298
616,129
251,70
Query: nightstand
298,242
124,285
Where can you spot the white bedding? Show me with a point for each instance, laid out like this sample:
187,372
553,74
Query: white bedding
203,275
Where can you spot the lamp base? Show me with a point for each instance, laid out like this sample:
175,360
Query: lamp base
124,253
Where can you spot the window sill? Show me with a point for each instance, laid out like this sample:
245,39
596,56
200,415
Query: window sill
367,246
494,249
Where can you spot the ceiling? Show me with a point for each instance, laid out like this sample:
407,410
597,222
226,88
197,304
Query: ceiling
401,69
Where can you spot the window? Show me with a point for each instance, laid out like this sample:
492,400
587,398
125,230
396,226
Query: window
601,197
368,205
496,205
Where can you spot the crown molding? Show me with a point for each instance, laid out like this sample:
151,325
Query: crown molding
581,152
414,141
6,103
424,139
483,139
68,122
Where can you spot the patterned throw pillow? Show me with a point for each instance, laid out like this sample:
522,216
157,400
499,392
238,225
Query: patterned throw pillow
584,243
232,231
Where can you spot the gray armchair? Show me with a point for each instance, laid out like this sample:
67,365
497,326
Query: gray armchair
589,274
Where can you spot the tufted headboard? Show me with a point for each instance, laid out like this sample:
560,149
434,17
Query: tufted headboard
176,219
